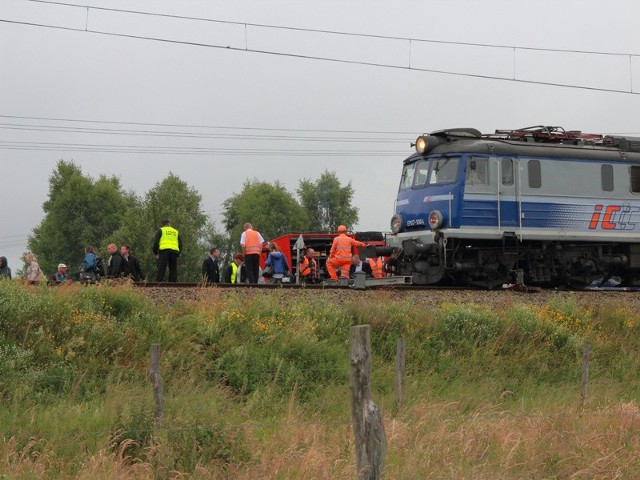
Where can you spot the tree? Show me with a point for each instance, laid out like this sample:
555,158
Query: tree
270,208
326,203
172,199
78,212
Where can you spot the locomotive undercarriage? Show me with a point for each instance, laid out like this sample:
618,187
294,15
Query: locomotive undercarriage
490,264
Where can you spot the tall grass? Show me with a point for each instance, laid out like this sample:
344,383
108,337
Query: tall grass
256,386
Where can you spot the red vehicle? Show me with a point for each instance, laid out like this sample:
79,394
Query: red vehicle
321,243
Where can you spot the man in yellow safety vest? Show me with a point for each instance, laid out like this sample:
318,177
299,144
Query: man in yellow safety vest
167,245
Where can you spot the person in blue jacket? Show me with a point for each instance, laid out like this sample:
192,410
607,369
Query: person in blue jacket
278,263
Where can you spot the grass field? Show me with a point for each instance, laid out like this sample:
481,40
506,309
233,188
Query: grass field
256,386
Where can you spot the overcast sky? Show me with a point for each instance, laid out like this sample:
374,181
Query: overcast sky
346,103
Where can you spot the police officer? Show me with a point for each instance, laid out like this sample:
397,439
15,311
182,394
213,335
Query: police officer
167,245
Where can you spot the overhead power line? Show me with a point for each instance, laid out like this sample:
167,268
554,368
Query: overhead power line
220,136
325,31
177,150
411,134
221,127
331,59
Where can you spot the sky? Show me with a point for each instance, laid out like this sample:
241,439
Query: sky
221,92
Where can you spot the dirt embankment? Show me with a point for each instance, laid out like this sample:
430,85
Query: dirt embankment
421,298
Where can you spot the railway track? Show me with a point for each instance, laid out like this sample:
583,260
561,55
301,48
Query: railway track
398,287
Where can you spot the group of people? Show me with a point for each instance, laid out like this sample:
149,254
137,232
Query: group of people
244,267
33,273
121,264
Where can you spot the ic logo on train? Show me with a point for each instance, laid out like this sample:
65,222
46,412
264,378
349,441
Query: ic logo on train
613,217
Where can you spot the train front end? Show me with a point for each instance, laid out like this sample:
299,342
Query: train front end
427,206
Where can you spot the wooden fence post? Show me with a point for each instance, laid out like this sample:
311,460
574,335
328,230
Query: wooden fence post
586,352
400,368
156,380
368,428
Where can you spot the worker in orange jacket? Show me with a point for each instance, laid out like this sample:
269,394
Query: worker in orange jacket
340,254
377,267
309,267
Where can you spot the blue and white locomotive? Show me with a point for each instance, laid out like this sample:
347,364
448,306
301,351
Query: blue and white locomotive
540,205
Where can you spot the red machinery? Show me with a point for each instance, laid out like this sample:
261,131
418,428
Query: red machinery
320,242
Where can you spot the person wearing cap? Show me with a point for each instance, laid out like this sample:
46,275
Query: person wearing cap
60,276
167,246
340,254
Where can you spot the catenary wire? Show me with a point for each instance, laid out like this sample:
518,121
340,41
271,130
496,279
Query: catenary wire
226,127
330,32
162,133
331,60
222,127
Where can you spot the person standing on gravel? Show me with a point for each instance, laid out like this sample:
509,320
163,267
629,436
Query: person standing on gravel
167,246
251,242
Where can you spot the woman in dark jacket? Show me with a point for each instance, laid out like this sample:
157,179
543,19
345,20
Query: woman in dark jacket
5,271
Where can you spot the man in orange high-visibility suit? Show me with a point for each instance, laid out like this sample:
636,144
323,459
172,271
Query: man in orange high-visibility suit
340,254
377,267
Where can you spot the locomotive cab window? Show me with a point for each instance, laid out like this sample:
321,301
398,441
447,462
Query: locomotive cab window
422,172
477,171
635,179
506,169
606,175
444,170
407,176
535,174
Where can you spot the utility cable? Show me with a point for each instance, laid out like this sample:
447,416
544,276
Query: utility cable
329,32
328,59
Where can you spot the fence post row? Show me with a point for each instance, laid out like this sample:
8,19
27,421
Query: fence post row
156,380
368,428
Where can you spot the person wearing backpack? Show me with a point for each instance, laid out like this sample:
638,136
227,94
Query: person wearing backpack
278,263
89,271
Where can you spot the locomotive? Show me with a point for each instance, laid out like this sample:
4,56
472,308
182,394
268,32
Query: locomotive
535,206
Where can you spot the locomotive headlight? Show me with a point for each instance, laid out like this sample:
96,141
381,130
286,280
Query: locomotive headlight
421,144
396,224
435,219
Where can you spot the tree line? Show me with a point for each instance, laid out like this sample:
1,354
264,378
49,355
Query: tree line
81,211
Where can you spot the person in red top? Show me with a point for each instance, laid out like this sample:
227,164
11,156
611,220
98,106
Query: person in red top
251,242
340,254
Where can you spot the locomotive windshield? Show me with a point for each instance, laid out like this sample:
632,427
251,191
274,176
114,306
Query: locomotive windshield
443,170
422,172
407,176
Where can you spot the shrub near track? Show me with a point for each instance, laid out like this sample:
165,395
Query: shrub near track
244,372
